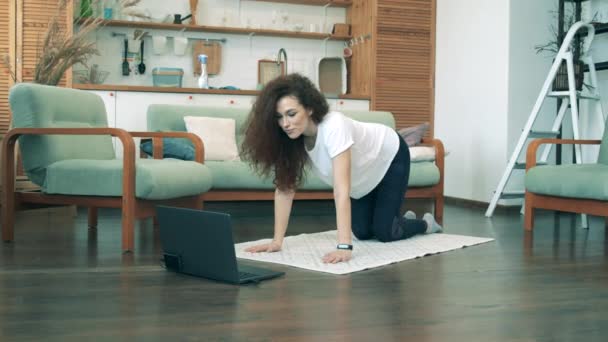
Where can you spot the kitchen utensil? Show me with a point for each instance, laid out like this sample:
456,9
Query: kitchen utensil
268,69
177,18
141,67
180,45
213,51
134,46
125,63
137,34
159,44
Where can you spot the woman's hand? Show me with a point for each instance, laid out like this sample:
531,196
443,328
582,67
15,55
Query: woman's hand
270,247
338,256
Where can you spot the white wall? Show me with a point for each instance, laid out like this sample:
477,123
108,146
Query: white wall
592,125
239,54
488,77
471,101
529,26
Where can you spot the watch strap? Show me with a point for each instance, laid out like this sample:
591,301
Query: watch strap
345,246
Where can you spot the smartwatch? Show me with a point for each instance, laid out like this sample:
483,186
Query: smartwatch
345,246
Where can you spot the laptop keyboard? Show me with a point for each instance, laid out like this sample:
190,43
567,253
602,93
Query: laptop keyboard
244,275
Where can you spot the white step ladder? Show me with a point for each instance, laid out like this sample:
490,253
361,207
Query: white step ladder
570,100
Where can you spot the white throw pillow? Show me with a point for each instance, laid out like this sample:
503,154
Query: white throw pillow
422,153
218,134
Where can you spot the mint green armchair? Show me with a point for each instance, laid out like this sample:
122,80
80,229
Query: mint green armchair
576,188
66,149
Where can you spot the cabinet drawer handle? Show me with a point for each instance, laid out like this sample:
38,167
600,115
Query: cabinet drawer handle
231,101
190,97
111,94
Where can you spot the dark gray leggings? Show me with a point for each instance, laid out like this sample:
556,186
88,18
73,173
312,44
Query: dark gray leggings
376,215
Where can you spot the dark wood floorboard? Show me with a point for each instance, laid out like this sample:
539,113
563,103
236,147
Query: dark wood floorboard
60,281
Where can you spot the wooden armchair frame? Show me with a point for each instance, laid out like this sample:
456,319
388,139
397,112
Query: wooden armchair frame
132,208
575,205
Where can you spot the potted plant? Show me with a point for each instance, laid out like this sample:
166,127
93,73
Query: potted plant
552,47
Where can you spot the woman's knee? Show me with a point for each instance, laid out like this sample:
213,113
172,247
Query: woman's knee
362,234
388,232
384,237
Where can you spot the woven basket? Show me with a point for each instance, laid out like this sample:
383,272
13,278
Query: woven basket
560,82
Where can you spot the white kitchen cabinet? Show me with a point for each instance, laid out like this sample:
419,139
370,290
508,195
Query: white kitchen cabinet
333,104
235,101
109,100
347,104
344,104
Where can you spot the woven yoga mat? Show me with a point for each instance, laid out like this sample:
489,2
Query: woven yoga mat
306,250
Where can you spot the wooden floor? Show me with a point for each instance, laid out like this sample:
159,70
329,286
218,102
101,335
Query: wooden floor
62,282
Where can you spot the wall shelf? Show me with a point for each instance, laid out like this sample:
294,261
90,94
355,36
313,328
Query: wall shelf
598,66
221,29
114,87
331,3
600,28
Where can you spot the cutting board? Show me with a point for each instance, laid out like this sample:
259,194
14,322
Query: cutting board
213,51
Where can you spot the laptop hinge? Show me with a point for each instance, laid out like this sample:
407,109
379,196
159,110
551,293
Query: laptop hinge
173,262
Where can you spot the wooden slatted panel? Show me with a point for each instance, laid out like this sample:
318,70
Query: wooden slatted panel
36,17
405,58
360,17
5,79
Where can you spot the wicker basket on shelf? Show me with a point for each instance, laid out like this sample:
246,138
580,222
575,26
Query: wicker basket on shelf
560,83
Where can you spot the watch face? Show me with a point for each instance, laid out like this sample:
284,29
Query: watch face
345,246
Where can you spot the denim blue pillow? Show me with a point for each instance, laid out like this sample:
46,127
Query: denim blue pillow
177,148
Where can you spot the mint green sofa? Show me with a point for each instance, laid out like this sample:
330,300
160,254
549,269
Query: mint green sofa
66,148
236,180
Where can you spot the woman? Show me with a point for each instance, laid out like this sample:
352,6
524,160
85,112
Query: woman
290,125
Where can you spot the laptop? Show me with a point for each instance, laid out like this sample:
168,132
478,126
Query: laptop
199,243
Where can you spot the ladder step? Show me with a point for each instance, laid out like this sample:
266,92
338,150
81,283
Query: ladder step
579,94
512,194
522,165
543,134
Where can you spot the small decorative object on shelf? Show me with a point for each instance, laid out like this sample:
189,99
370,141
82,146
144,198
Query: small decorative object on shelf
86,8
203,80
91,76
341,30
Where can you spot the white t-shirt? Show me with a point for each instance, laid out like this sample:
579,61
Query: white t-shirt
373,147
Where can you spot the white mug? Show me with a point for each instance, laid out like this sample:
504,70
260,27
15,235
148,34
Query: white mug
159,44
180,44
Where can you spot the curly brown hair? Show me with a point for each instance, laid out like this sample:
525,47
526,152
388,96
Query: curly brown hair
265,145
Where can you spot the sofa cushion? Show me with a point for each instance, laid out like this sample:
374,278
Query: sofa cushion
423,174
576,181
155,179
239,175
